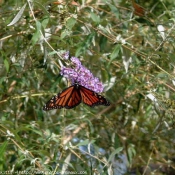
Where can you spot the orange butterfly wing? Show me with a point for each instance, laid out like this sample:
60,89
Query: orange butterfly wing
68,98
91,98
73,96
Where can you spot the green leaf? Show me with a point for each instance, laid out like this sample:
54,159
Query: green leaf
64,34
103,43
42,8
131,152
115,52
114,10
52,53
45,22
6,64
37,33
95,17
2,155
3,149
18,16
85,44
117,151
70,23
85,142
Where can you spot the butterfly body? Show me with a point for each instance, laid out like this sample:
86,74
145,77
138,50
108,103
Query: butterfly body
73,96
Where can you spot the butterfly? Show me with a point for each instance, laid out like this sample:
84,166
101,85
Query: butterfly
73,96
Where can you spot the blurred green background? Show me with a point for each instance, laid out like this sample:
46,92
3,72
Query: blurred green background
129,46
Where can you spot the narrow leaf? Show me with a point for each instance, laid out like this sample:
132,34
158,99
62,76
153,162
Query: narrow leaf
6,64
85,142
37,33
115,52
18,16
117,151
85,44
41,6
114,10
127,59
3,148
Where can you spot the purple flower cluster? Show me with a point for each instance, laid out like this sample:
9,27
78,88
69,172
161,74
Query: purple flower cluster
81,75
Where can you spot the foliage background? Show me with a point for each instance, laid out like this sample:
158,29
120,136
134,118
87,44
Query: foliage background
133,55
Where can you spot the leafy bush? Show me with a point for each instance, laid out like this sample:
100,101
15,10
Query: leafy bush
128,47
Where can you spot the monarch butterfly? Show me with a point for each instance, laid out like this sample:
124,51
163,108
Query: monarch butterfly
73,96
